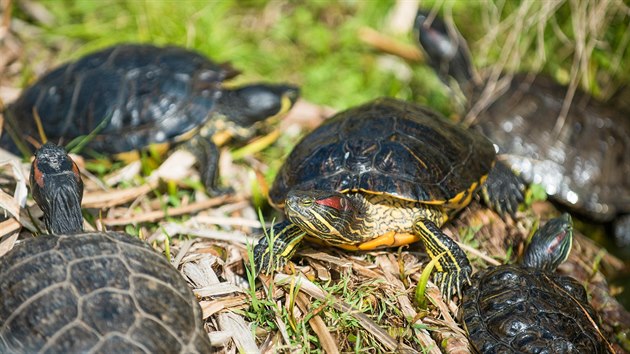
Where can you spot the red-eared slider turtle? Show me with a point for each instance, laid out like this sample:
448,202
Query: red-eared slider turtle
583,164
383,174
526,308
90,292
127,97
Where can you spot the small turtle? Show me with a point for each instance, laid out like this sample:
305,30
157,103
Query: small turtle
130,96
583,164
75,291
526,308
383,174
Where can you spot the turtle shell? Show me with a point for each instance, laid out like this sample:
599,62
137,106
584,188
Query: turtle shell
98,292
584,164
512,309
388,147
128,96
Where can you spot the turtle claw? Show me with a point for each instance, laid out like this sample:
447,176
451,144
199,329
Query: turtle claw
450,283
503,190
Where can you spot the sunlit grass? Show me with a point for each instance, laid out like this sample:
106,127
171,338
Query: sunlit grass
315,45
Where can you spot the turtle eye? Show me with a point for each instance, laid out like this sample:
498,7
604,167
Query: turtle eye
306,202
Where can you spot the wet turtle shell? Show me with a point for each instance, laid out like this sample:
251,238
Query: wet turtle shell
584,164
128,96
95,292
582,160
527,310
388,147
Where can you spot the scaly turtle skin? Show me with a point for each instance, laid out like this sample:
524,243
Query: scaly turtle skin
91,292
128,97
584,164
526,308
383,174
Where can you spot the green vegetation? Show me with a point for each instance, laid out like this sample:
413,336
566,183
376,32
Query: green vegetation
316,44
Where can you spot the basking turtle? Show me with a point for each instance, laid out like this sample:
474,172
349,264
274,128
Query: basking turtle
76,291
383,174
526,308
583,164
127,97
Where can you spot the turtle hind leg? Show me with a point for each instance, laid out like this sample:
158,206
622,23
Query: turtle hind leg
503,190
277,247
207,154
453,268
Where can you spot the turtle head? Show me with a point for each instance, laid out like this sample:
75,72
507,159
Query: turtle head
550,245
57,188
253,103
444,46
325,214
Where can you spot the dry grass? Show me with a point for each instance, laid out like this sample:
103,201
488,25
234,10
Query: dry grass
328,300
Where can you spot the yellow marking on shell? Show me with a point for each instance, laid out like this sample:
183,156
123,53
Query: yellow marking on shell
465,197
418,159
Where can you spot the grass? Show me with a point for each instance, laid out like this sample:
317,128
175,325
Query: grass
316,45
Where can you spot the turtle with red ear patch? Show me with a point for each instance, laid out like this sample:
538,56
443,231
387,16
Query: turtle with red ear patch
383,174
57,188
98,292
527,307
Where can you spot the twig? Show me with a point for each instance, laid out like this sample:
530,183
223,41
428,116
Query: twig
161,214
388,45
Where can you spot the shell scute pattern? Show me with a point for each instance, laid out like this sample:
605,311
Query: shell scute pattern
86,274
98,293
523,313
405,151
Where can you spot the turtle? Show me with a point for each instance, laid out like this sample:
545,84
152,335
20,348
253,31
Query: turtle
123,98
72,291
527,307
583,164
382,174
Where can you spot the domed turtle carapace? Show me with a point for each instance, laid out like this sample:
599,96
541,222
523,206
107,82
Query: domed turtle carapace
90,292
583,163
383,174
130,96
527,308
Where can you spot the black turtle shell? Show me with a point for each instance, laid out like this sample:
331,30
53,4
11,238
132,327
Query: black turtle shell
131,95
387,146
585,164
512,309
95,292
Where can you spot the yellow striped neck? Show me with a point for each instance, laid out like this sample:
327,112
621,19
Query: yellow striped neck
361,218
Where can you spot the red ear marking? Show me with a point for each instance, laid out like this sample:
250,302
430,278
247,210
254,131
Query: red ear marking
75,170
336,202
39,176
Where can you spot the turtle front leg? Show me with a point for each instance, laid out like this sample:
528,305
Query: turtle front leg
207,154
453,267
277,247
503,190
